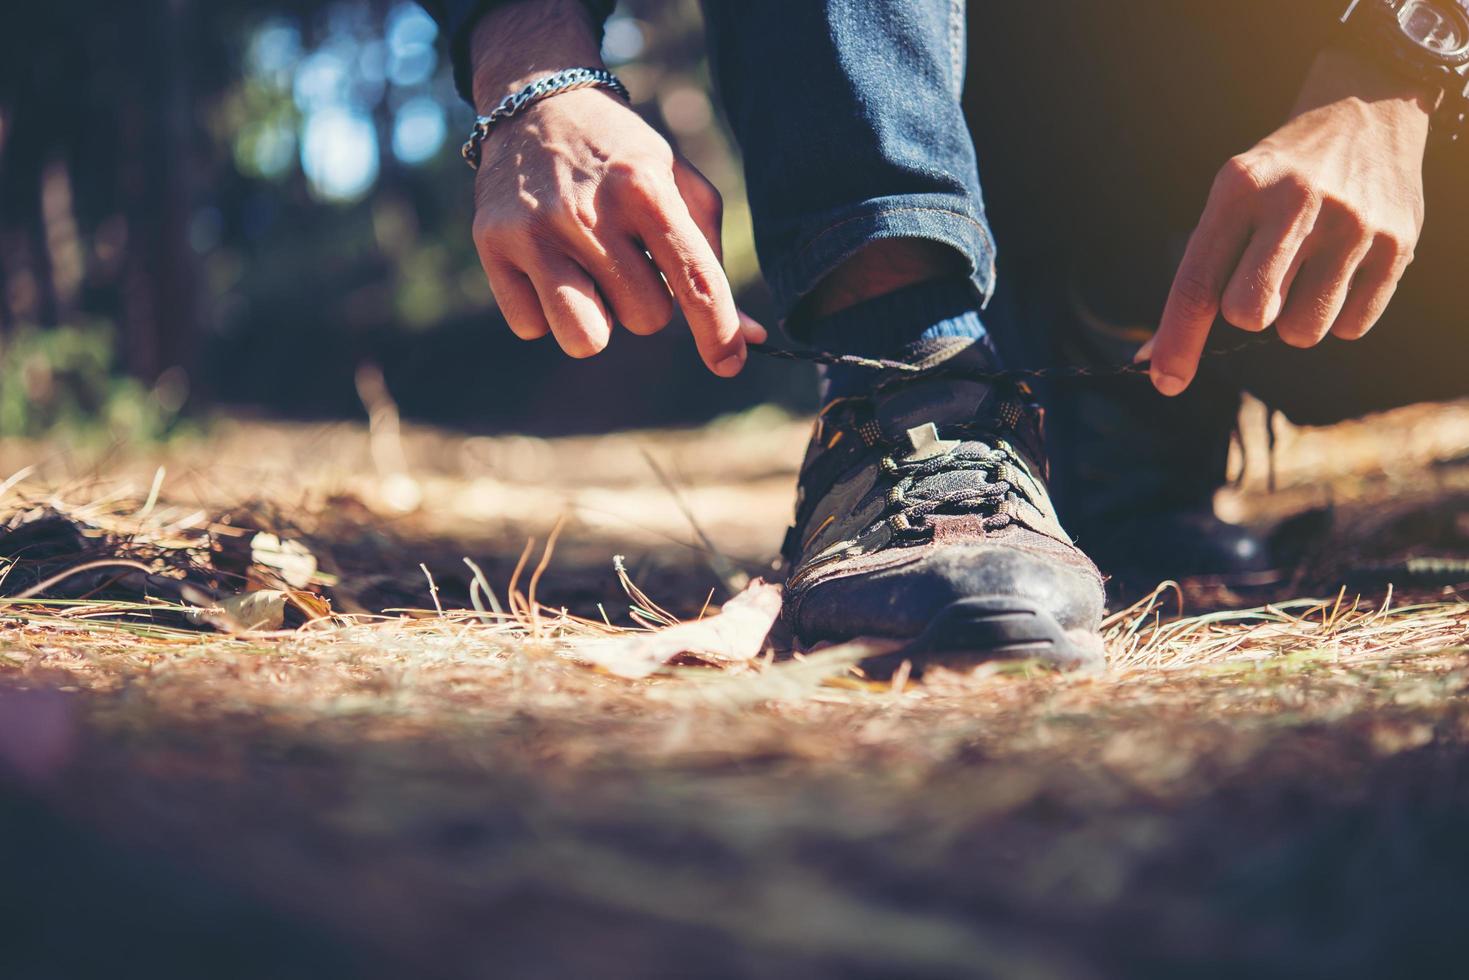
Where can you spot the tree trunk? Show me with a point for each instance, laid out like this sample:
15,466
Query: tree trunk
160,298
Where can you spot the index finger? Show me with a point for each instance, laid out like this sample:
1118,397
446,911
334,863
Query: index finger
1213,251
687,261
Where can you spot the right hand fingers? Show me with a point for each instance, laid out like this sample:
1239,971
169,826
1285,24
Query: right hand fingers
517,299
631,284
683,240
682,251
706,207
574,310
525,265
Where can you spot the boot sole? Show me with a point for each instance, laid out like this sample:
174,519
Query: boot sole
972,631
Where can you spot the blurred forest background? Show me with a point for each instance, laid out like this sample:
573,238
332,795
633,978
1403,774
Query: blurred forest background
225,206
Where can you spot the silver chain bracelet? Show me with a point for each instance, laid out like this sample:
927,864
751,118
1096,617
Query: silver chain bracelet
566,80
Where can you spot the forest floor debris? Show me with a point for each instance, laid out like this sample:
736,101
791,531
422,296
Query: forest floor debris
246,658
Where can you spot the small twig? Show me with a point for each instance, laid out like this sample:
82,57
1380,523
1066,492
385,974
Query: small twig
59,577
433,589
730,577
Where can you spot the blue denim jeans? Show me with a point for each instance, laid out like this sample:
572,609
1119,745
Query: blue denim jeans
849,118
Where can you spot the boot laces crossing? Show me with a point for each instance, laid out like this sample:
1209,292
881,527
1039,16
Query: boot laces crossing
967,479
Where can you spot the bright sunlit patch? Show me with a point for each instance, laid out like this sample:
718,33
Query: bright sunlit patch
412,66
410,37
622,40
686,109
265,148
339,153
409,26
321,81
274,50
418,130
372,62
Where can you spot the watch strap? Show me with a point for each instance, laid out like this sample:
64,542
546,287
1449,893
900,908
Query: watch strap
1372,29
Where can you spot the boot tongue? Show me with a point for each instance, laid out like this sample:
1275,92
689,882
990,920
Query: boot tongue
935,396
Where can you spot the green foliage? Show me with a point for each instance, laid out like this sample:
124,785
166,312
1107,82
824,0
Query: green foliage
67,379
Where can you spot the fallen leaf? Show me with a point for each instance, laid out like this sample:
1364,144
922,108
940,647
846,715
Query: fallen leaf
261,610
311,605
735,634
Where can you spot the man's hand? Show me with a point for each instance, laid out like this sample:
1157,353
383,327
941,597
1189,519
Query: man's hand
576,192
1312,228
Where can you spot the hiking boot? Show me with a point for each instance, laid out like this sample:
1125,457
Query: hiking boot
922,515
1139,471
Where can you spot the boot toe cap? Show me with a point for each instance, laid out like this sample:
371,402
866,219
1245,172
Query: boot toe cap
901,600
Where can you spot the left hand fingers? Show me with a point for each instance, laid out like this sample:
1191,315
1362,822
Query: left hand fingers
1372,287
1317,296
1256,292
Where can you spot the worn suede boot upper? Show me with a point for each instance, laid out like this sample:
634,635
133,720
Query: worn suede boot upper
929,491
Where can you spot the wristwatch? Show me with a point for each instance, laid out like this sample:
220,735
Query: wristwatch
1428,40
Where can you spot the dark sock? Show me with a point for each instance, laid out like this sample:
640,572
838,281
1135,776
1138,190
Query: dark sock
896,325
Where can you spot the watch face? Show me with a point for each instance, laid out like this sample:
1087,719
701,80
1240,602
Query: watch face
1441,28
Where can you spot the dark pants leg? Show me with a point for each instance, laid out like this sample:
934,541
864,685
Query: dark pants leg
1101,129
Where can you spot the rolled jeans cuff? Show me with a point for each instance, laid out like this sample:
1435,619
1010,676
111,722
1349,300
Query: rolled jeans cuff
844,233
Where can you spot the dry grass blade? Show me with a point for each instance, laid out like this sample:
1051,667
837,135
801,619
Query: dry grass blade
535,578
480,585
60,577
644,611
1276,630
519,607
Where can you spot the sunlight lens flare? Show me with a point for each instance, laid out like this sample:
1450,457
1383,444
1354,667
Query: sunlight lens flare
339,154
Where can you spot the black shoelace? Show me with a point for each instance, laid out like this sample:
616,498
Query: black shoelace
1009,376
919,492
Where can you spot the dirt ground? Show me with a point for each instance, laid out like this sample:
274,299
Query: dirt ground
1264,782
